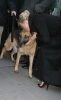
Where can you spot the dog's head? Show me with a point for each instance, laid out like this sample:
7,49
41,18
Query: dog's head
23,38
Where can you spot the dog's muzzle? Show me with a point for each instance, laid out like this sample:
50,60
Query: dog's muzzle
21,44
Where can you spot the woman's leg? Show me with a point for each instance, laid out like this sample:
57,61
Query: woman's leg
42,83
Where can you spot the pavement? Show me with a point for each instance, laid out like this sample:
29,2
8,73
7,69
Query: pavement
18,86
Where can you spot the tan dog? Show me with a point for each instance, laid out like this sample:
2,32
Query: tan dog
25,47
10,45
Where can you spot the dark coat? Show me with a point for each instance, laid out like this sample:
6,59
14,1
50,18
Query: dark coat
47,65
4,6
18,4
37,6
28,5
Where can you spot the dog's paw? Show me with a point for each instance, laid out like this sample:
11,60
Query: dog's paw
1,57
30,75
13,60
16,71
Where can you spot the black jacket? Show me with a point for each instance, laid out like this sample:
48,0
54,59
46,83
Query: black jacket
47,65
4,6
18,4
37,6
28,5
45,25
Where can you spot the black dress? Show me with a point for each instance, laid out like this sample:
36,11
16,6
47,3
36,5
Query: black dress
47,65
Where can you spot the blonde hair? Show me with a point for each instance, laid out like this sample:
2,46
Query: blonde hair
23,16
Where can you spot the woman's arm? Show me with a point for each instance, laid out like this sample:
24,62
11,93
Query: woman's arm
42,29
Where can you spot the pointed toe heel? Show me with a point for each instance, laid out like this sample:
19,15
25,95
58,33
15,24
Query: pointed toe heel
44,86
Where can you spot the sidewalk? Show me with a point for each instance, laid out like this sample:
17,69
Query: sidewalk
18,86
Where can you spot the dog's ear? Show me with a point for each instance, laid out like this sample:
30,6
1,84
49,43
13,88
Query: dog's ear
16,33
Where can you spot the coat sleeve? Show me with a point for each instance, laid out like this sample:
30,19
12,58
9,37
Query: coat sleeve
11,5
42,30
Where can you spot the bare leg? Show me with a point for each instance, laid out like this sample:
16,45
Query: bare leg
42,83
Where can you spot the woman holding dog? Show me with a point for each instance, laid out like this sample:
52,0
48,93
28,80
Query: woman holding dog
34,6
47,30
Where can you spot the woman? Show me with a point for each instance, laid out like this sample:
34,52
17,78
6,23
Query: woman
34,6
47,30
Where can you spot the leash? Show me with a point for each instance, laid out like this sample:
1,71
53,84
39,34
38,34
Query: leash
13,28
14,18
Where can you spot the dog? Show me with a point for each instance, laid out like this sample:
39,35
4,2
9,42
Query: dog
24,47
11,45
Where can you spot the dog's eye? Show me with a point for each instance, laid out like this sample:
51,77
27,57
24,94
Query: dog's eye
25,37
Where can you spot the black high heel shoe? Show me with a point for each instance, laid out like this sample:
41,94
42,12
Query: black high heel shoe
44,86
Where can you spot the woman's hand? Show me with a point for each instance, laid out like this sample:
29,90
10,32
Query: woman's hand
33,37
13,12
